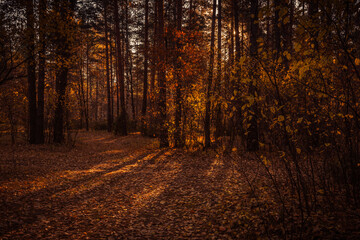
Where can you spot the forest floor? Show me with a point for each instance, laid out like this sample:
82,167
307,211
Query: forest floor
109,187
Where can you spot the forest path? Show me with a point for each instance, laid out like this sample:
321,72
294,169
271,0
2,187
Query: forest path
115,188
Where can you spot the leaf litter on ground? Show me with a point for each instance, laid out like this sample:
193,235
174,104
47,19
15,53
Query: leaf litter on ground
109,187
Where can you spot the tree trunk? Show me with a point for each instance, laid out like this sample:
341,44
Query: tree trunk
207,129
40,138
218,124
129,63
88,90
236,25
178,95
111,76
82,94
61,82
154,57
117,74
146,58
96,103
64,10
108,89
120,66
288,31
231,36
31,66
164,141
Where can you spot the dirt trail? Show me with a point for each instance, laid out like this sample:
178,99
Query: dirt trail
113,188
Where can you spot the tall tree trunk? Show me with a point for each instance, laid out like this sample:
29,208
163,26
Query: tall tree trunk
252,136
164,141
268,23
96,103
154,57
117,74
40,138
81,98
235,6
146,59
231,36
84,94
178,95
111,74
129,64
88,89
120,67
108,87
31,66
64,10
236,119
288,31
207,129
218,123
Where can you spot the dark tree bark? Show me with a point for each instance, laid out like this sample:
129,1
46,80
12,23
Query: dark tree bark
146,59
218,123
31,66
88,89
252,136
117,74
164,141
64,9
84,93
235,6
120,67
40,138
154,57
268,24
231,36
61,82
96,103
111,73
108,87
178,95
129,63
288,31
207,129
81,97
